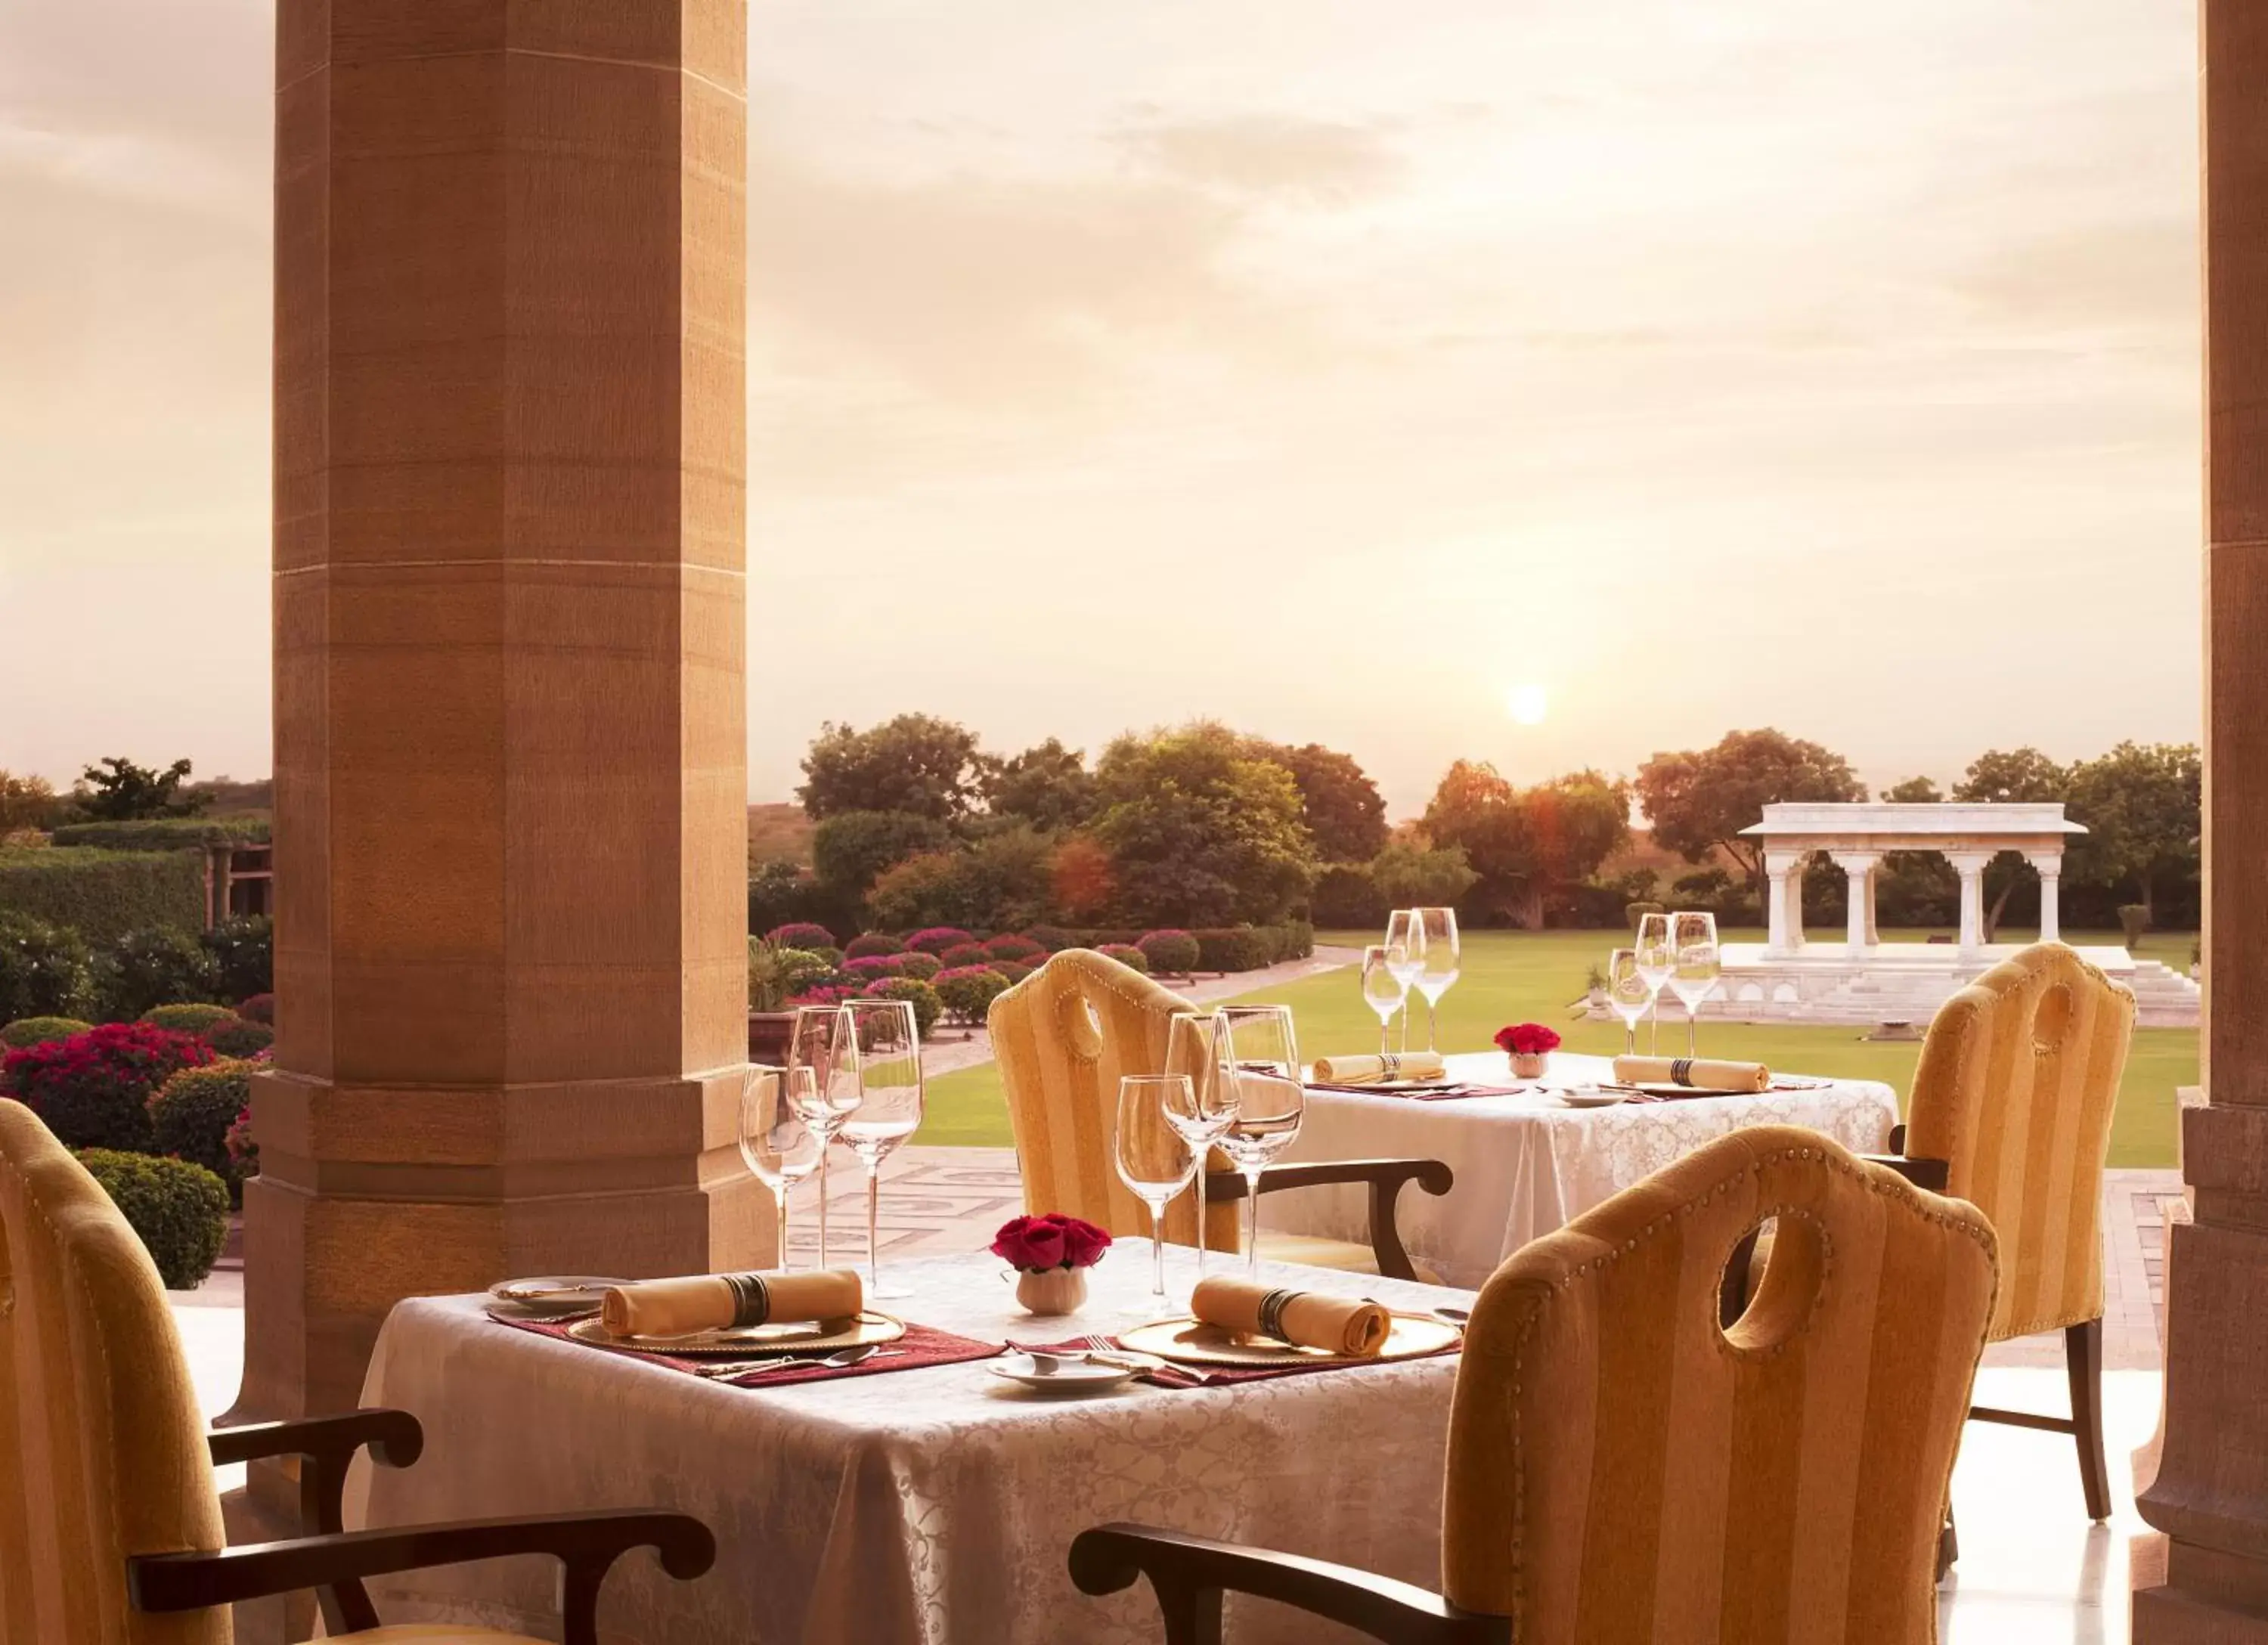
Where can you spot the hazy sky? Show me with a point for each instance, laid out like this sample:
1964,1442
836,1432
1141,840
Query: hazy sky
1334,369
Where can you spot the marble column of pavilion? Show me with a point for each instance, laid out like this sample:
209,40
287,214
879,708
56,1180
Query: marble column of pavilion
510,476
2205,1581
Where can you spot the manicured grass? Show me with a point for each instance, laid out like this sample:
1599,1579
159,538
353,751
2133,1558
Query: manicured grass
1512,976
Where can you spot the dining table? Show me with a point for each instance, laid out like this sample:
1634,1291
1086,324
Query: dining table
906,1507
1526,1158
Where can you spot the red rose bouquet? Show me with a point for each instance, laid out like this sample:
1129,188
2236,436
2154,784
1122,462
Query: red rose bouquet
1036,1244
1528,1039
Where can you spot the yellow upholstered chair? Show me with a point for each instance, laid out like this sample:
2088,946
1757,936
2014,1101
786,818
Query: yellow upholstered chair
2011,1110
110,1527
1624,1469
1065,1036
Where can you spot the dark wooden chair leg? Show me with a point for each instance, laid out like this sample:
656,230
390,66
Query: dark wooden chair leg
1949,1545
2082,1355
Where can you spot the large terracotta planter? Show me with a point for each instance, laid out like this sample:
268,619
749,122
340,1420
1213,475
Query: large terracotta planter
769,1035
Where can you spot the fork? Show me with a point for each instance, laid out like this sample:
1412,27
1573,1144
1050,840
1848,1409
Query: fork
1110,1351
837,1361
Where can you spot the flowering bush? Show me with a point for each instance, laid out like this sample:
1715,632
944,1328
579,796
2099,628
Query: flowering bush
188,1019
1036,1244
243,1152
923,999
1012,972
939,938
1528,1039
968,991
1054,939
191,1115
867,966
1127,954
825,994
801,934
1014,948
259,1009
1170,953
874,942
924,966
238,1037
26,1032
966,954
93,1088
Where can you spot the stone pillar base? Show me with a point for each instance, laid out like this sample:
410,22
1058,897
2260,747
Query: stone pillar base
2196,1596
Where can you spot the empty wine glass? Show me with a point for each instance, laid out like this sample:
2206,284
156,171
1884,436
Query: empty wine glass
778,1144
822,1040
1695,966
1402,933
1262,1053
889,1108
1155,1160
1193,1050
1655,961
1437,954
1383,985
1628,994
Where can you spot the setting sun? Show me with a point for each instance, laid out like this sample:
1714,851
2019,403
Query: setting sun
1527,703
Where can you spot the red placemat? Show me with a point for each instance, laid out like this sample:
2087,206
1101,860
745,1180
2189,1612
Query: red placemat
922,1346
1225,1377
1444,1094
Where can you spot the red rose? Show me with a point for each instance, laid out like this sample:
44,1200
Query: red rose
1528,1039
1030,1244
1084,1243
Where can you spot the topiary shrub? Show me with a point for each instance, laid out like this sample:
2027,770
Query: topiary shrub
2134,920
968,991
154,967
1127,954
26,1032
939,939
925,966
259,1009
243,948
1009,947
1054,939
1233,948
1299,939
239,1037
926,1004
1170,953
186,1019
801,934
869,966
45,970
1012,971
832,956
93,1088
871,945
179,1210
191,1113
965,954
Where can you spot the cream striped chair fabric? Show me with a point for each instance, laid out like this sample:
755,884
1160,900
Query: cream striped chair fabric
1621,1469
2017,1083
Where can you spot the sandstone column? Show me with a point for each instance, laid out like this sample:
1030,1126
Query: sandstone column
2208,1581
509,609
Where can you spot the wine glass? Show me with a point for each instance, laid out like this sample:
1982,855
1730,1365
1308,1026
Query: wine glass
1383,985
1155,1160
1628,994
1402,932
1193,1050
889,1108
1695,966
822,1040
779,1144
1437,963
1655,961
1262,1055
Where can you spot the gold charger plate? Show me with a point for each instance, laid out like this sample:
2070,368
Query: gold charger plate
1187,1341
824,1336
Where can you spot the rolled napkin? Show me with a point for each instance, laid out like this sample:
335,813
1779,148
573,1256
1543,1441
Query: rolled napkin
1702,1075
713,1301
1418,1064
1306,1319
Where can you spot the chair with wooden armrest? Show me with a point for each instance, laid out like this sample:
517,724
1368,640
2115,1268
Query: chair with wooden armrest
110,1525
1622,1466
1065,1036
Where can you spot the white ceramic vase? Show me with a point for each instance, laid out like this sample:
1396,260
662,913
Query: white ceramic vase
1048,1291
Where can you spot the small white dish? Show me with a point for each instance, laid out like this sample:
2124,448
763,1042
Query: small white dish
1062,1375
1591,1096
553,1293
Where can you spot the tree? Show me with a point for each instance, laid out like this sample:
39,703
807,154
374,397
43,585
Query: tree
1476,811
1915,791
1341,806
1525,844
25,802
1200,833
2006,776
119,790
850,849
1408,874
1918,888
2142,805
1004,882
1047,785
1700,802
915,763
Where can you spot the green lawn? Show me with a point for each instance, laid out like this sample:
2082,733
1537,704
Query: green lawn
1512,976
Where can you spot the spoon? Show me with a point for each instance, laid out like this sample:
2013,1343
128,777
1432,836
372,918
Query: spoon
842,1360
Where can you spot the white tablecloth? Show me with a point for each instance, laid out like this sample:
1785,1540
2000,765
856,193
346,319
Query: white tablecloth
1526,1165
929,1505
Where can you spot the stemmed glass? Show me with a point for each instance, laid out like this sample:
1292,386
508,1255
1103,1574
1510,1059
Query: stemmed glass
889,1107
1628,994
1695,966
823,1046
779,1144
1193,1051
1263,1054
1155,1160
1403,936
1383,985
1437,963
1655,961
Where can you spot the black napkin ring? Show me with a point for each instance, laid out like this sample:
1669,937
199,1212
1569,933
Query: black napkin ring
1271,1312
1680,1071
751,1298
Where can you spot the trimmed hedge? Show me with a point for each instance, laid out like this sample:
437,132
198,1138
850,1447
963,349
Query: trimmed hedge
924,966
103,894
26,1032
1170,953
968,991
188,1019
1014,970
191,1114
1127,954
259,1009
239,1037
93,1090
164,833
871,945
1235,949
179,1210
962,954
939,939
45,970
1014,948
928,1006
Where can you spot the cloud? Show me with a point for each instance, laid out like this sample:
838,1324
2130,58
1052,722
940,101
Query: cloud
1318,162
